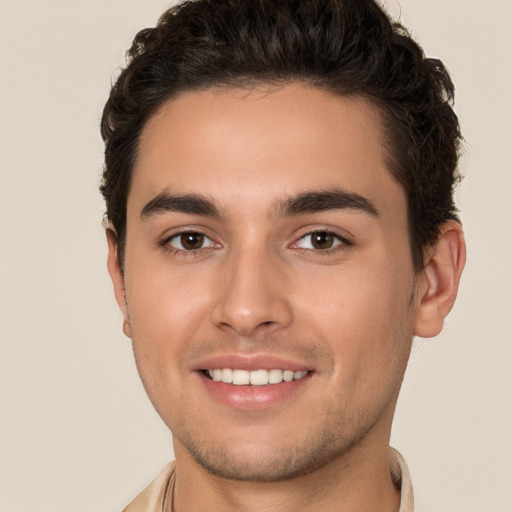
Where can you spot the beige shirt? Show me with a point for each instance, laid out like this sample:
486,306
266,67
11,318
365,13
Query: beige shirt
154,497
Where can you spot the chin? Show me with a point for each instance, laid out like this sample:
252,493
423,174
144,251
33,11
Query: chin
258,462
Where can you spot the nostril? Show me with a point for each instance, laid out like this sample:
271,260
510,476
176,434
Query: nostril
247,306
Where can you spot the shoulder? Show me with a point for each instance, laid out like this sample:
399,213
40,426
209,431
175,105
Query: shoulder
152,498
402,479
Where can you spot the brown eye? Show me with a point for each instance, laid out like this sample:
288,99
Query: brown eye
322,240
191,241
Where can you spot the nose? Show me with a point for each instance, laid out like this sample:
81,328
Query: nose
253,295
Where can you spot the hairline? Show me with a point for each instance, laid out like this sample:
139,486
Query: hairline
268,85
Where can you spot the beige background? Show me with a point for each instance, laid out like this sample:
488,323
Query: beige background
76,430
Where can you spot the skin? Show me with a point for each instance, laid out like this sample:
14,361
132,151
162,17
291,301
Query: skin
346,308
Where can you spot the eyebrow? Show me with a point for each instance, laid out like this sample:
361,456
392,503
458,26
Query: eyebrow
187,203
307,202
320,201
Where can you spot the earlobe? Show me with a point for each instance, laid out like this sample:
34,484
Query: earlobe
439,282
116,274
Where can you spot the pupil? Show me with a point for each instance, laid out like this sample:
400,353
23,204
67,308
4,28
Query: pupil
192,241
322,240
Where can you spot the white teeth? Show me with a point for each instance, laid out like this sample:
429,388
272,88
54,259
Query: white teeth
258,377
255,377
240,377
227,375
288,375
275,376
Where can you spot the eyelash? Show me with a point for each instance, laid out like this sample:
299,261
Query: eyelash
343,243
165,244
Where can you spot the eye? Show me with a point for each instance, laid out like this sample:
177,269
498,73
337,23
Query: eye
190,241
321,241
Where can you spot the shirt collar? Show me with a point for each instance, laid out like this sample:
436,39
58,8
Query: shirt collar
152,499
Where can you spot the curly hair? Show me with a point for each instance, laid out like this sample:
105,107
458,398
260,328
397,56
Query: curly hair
348,47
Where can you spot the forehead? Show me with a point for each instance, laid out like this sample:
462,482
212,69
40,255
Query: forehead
239,145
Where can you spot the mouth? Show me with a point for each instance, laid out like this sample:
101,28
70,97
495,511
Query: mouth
260,377
253,382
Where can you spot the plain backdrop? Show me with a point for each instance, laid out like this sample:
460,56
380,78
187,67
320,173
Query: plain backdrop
77,432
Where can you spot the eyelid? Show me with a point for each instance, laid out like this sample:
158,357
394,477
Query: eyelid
343,241
165,242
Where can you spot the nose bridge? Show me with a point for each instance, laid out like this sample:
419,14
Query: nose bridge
252,296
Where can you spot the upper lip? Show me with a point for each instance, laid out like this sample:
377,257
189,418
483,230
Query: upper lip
250,362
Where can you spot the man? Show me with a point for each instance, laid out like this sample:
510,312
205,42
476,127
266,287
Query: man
279,180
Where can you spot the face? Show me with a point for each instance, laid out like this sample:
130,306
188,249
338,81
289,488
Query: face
268,288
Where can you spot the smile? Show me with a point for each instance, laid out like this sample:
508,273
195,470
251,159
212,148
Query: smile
255,377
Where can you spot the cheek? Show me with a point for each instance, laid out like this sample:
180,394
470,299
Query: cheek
162,297
163,312
362,312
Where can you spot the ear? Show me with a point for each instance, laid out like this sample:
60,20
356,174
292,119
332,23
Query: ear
439,281
116,274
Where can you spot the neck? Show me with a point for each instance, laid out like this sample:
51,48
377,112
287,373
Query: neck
359,480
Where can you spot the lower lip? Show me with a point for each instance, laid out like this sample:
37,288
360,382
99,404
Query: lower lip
251,398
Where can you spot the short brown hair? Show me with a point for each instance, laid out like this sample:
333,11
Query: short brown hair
349,47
